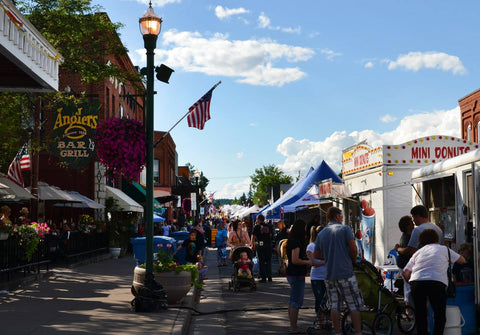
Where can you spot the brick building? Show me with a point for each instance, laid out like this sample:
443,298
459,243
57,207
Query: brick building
470,116
108,98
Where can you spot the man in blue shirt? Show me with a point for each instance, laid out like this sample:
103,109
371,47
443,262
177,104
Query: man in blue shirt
221,243
336,244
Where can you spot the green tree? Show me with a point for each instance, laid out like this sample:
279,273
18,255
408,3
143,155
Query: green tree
16,125
82,34
202,180
85,38
264,177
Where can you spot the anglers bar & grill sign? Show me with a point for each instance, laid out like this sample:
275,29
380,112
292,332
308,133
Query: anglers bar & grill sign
73,133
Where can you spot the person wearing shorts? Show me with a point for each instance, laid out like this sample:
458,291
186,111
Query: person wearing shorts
336,245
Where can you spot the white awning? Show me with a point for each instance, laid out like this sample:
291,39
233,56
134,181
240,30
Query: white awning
125,203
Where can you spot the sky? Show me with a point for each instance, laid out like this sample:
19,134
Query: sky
303,80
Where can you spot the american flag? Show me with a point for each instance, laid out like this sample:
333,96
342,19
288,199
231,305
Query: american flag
210,197
199,113
20,163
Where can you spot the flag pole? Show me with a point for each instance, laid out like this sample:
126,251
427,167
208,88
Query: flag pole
168,132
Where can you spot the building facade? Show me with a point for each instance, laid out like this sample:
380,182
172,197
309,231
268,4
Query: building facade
470,116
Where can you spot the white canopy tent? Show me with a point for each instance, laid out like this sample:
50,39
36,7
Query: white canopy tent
245,213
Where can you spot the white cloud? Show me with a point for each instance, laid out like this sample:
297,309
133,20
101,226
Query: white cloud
251,61
330,54
265,23
388,118
301,154
239,155
231,190
415,61
369,65
224,12
253,124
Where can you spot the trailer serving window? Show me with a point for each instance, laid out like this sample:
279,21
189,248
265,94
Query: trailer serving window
440,201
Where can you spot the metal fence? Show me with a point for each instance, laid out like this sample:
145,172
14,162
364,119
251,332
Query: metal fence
52,250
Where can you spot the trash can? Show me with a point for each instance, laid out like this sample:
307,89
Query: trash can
179,237
139,247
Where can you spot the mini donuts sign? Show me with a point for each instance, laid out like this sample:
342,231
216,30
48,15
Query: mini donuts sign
427,150
418,152
73,130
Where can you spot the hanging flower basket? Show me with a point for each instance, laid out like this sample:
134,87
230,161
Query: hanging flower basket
121,147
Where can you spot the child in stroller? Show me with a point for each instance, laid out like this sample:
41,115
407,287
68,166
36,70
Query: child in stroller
242,264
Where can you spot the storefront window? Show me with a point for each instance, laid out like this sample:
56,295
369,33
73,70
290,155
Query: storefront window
156,175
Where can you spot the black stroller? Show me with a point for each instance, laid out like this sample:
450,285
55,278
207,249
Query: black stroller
237,281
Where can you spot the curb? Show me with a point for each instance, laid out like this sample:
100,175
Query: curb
190,302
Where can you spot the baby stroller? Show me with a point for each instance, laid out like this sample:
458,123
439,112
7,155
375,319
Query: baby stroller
381,305
238,282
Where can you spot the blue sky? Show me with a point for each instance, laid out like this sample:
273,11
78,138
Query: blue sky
302,80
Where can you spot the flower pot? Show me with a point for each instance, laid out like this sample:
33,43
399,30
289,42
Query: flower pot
176,285
3,236
115,252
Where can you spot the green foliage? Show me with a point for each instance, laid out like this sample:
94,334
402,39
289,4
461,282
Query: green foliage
85,38
202,180
166,263
77,29
263,178
29,240
16,125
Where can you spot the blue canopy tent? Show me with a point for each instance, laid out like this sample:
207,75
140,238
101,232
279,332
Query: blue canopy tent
254,216
322,172
266,211
158,218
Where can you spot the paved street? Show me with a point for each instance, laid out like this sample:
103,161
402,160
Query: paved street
261,312
95,299
89,299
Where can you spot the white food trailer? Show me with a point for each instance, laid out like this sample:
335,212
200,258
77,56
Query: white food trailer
451,191
380,179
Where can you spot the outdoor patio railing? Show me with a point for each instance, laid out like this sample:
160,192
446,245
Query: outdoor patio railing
52,250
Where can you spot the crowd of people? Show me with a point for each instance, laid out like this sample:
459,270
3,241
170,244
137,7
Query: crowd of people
327,254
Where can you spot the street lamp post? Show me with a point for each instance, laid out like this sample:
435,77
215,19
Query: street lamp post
150,25
196,174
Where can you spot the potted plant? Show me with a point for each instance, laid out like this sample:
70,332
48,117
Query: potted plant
6,229
176,279
114,243
30,235
86,224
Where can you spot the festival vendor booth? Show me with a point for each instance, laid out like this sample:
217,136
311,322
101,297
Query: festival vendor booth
450,190
300,190
380,179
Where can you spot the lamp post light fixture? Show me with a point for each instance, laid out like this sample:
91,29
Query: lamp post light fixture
150,25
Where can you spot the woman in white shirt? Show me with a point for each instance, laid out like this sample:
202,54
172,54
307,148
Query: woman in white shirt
427,273
317,278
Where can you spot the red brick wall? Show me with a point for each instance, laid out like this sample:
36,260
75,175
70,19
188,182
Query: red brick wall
470,115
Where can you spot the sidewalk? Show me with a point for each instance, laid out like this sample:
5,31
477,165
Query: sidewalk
88,299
